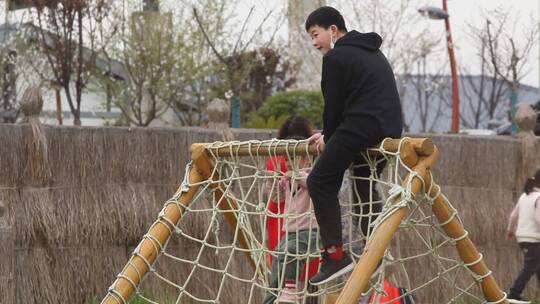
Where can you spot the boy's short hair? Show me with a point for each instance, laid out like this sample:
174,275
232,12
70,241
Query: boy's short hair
325,16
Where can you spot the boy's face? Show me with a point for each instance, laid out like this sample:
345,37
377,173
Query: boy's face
322,38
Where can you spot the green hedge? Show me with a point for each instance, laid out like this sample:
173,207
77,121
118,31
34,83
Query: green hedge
276,109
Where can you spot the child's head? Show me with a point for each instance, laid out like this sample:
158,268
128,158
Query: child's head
299,128
532,182
295,127
325,25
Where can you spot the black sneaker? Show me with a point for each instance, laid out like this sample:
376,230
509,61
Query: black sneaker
516,300
331,269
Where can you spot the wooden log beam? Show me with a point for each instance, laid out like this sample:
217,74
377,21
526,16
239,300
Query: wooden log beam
422,146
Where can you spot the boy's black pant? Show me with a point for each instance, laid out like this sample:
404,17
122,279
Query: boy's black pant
324,183
531,266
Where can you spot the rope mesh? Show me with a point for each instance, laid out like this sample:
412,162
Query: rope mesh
209,261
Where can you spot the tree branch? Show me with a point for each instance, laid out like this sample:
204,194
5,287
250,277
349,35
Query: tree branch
201,27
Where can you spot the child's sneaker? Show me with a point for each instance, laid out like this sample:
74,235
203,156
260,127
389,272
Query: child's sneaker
288,294
331,269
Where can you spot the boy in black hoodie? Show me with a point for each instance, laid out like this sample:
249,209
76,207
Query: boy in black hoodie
361,108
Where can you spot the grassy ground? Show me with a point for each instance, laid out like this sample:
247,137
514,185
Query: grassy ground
172,300
139,300
478,302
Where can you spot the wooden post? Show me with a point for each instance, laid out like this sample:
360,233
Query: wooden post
465,247
132,274
374,250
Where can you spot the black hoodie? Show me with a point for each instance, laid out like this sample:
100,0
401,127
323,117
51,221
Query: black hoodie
361,100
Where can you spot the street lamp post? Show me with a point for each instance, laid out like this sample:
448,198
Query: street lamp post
438,14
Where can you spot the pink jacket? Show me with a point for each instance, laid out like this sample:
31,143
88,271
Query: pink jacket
298,211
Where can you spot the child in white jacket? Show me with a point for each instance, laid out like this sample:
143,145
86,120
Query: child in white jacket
524,224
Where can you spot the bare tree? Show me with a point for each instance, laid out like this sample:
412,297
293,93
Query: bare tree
66,31
178,65
505,54
389,19
150,64
404,49
485,93
235,66
16,70
501,68
199,66
428,86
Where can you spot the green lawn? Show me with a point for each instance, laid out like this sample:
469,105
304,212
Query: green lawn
139,300
171,300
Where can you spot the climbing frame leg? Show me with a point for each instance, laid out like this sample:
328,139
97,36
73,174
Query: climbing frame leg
465,247
158,235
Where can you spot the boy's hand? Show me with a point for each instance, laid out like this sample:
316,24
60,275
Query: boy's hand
321,144
318,139
313,138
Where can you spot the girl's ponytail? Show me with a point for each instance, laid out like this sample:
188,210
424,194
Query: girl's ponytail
532,182
529,185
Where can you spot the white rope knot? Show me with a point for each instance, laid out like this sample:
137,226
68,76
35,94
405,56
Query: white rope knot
216,231
395,190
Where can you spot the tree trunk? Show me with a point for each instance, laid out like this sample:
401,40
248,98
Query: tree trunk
77,119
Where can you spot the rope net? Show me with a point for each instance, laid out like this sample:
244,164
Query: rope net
236,244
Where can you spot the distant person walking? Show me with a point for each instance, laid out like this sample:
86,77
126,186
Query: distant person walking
524,225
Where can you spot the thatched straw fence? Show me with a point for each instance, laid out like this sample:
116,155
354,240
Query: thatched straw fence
63,239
